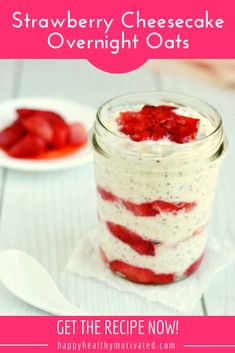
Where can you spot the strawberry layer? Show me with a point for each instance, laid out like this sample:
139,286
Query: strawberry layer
175,259
134,240
144,275
139,274
166,228
148,209
137,242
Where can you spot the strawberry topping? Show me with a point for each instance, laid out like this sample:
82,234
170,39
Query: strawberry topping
136,242
157,122
148,209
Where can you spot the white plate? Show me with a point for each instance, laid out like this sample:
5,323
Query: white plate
71,111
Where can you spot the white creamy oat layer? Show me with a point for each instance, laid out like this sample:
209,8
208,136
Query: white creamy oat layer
153,182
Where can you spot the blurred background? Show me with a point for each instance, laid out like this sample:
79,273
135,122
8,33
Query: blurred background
44,214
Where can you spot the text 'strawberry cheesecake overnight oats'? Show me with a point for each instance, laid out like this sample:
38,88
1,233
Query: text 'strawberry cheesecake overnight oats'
157,157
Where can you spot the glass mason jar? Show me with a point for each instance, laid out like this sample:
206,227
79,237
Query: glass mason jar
154,200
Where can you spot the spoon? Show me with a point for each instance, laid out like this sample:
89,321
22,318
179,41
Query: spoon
28,280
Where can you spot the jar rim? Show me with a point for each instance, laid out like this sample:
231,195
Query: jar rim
160,94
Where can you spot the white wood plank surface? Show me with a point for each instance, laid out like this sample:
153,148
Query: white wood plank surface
44,214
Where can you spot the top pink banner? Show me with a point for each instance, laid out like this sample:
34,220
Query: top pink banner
117,36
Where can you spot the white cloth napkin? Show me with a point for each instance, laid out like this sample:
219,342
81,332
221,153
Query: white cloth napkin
183,295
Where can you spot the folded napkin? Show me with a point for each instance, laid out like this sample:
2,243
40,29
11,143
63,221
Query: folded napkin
182,295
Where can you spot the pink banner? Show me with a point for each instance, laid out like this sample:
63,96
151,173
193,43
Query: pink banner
117,334
116,36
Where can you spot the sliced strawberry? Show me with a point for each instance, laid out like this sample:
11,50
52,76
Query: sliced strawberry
128,117
26,112
169,125
189,206
136,242
185,130
140,136
77,134
156,207
59,138
11,134
106,195
194,266
157,113
29,145
37,124
148,209
164,206
56,122
142,209
139,274
142,126
60,129
158,132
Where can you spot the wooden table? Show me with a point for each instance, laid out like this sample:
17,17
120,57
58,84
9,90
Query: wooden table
44,214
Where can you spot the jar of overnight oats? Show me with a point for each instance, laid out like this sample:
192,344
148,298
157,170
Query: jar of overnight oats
157,157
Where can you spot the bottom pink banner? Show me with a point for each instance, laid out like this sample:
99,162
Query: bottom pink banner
117,334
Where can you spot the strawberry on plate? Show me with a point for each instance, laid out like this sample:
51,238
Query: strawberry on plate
77,134
39,126
41,134
25,112
28,146
48,125
11,134
60,129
